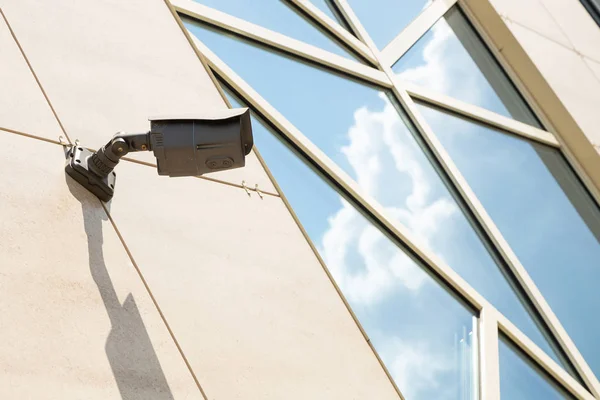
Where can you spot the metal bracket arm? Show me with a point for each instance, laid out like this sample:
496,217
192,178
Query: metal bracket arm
103,161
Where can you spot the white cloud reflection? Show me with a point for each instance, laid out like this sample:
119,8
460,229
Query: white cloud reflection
382,155
415,367
446,67
383,158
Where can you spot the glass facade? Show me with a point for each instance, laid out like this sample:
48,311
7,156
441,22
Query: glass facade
426,334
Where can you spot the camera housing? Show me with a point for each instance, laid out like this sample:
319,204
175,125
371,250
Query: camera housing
185,146
182,145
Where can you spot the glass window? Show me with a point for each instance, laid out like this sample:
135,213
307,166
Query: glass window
385,19
281,17
423,334
451,59
367,135
542,210
521,379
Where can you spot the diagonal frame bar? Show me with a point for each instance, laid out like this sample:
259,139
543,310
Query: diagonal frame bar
452,172
479,114
279,41
541,358
335,29
414,31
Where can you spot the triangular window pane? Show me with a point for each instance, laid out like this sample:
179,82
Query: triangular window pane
521,379
542,210
282,18
385,19
424,334
368,136
453,60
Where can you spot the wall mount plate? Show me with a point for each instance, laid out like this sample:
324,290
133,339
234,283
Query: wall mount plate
77,168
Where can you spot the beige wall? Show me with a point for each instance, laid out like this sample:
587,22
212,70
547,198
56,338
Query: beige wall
563,42
235,299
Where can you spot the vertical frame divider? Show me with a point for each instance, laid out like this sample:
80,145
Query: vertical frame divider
489,354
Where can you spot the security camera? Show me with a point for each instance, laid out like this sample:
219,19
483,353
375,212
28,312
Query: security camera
183,146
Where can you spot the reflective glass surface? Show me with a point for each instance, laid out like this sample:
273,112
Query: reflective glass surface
360,129
282,17
423,334
385,19
542,210
451,59
520,379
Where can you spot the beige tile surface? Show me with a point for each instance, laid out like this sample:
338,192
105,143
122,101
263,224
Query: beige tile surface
532,15
109,65
594,66
568,75
577,25
247,299
22,105
75,319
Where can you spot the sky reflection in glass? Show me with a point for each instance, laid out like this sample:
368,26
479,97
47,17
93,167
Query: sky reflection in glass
385,19
423,334
521,380
542,210
282,18
360,129
451,59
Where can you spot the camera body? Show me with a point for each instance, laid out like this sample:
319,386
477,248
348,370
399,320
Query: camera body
196,145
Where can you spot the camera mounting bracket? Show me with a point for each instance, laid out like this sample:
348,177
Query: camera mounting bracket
94,170
78,168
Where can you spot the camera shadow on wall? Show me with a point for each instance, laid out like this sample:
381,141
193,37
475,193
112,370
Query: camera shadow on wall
130,353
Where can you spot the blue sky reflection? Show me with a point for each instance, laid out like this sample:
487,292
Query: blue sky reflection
451,59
